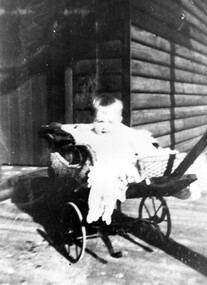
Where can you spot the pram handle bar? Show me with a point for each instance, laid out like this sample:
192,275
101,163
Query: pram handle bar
190,157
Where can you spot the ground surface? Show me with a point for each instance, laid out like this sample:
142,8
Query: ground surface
27,258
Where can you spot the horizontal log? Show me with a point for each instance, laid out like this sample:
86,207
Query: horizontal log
166,127
190,64
196,46
89,66
156,41
200,4
145,100
187,145
199,22
150,54
194,9
196,34
143,84
147,116
141,68
152,70
182,136
146,37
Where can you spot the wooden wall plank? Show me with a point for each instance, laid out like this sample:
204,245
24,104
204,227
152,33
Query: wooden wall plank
142,84
194,9
150,54
158,42
182,136
146,116
197,35
152,70
165,127
201,5
146,100
143,36
187,145
196,22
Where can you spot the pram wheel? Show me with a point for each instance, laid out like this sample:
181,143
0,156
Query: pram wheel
73,232
155,210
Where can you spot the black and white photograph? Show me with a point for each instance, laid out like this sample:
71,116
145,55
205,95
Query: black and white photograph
103,142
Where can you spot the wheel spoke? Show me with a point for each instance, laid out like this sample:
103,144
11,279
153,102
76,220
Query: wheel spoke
147,210
153,204
156,211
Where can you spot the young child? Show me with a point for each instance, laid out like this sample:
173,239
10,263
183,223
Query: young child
117,148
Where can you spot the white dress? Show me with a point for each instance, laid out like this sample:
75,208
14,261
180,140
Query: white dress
115,167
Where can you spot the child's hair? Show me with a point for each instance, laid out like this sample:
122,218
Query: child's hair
105,100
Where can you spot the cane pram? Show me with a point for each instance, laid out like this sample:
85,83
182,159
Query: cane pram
70,164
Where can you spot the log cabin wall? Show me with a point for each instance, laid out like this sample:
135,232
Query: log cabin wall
169,70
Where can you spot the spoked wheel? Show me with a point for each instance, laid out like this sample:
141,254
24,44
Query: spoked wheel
73,232
155,210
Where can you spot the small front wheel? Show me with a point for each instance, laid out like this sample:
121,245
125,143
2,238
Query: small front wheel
155,210
73,232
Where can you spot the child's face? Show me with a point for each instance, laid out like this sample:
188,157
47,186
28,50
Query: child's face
106,120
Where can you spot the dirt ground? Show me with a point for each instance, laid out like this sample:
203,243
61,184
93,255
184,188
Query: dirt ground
26,257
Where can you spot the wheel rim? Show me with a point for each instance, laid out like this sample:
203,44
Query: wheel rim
73,232
155,210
